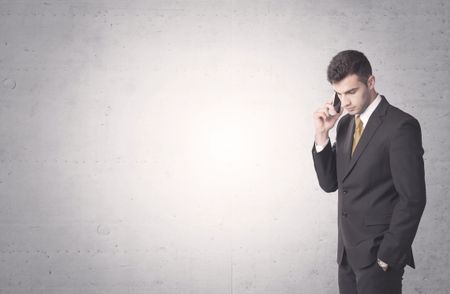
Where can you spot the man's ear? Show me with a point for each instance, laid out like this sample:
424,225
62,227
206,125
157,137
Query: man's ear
371,82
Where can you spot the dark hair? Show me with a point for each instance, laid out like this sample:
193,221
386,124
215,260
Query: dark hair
346,63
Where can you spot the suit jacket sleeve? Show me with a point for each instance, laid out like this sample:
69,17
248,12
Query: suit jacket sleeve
407,170
325,166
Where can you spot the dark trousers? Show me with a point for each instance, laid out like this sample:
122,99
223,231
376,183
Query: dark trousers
369,280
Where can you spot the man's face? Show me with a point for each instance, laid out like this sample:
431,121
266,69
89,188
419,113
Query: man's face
354,95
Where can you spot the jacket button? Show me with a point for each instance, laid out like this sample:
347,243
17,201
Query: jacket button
345,192
344,214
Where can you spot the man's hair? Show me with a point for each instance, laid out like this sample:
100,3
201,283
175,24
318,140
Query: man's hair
346,63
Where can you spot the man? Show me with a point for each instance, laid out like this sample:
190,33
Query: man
376,165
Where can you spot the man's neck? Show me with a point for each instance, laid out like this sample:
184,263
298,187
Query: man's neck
372,94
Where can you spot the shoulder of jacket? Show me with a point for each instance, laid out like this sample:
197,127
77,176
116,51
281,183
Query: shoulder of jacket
400,116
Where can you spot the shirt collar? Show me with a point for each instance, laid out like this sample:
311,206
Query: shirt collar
365,115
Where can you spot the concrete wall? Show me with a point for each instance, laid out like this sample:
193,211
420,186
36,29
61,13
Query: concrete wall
165,146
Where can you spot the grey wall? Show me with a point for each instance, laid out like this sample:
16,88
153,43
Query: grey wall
165,146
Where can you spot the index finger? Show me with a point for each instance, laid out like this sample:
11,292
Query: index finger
330,109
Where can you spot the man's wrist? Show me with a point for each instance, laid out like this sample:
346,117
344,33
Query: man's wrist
319,148
321,138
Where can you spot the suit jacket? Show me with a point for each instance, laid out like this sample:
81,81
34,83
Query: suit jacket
381,188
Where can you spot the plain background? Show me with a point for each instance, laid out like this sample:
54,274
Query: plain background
165,146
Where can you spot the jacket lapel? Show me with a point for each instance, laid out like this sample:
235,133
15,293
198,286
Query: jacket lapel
348,140
374,122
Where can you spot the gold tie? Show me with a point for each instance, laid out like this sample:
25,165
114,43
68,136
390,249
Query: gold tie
358,132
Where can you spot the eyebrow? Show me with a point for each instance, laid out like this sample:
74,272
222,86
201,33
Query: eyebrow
348,90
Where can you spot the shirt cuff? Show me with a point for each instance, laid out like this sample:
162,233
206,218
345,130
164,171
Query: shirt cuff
382,264
321,147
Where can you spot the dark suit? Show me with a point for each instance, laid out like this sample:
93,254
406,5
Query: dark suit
381,188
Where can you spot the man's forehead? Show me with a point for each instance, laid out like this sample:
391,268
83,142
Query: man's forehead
348,83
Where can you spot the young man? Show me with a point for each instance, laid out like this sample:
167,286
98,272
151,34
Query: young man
376,165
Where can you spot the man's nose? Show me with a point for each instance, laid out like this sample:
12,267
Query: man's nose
345,101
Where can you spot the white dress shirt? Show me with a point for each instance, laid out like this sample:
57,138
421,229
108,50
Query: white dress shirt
364,116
